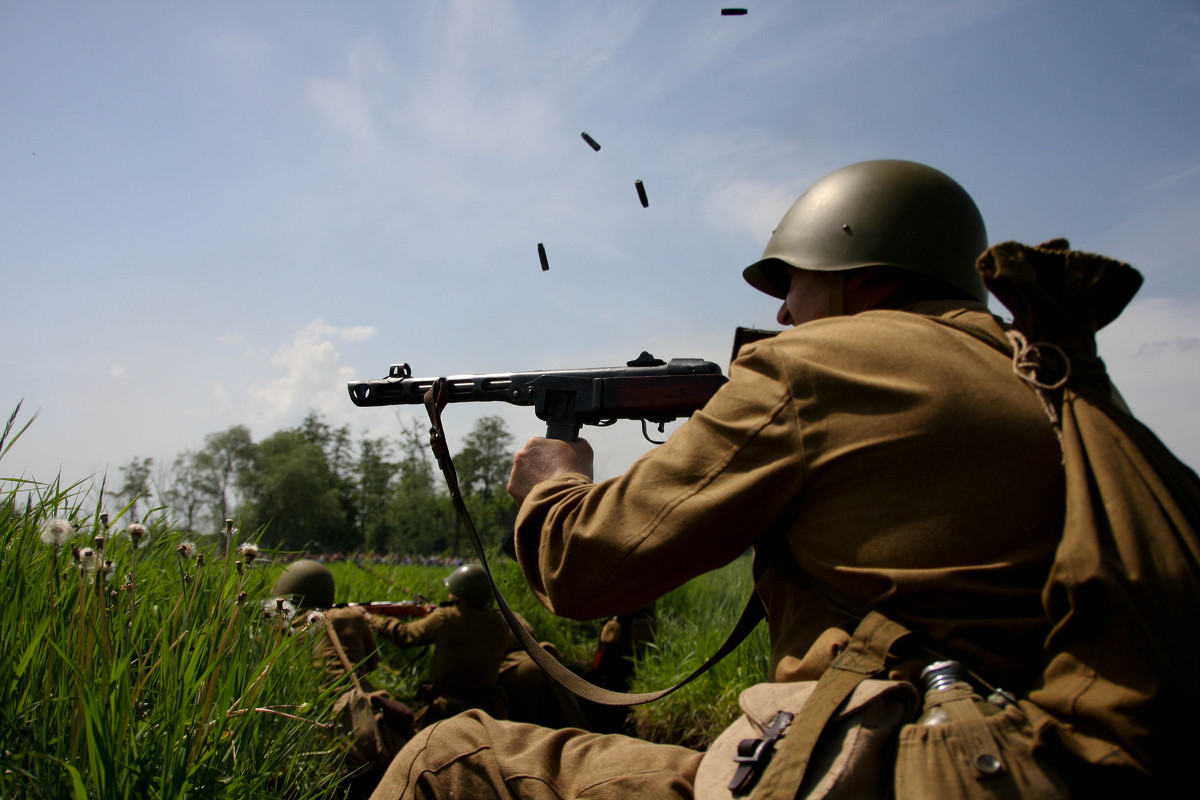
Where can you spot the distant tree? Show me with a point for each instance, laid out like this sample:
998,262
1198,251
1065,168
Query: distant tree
290,488
219,466
183,488
374,474
486,458
483,466
338,448
417,514
135,485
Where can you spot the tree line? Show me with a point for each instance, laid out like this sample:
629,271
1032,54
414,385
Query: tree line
313,488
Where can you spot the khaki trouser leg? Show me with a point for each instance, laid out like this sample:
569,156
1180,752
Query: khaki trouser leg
474,756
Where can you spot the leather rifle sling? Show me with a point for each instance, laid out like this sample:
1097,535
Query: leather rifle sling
751,616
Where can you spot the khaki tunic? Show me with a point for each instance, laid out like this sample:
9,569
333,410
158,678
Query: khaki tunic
469,644
893,458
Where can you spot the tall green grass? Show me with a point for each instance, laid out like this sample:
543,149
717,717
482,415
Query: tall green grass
145,668
693,622
149,666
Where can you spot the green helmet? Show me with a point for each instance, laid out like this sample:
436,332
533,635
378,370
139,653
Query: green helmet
311,581
470,584
878,213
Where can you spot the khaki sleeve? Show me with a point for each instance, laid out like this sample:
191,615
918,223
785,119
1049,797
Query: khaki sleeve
686,507
408,634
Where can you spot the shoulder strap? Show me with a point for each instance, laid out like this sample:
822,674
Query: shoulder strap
337,645
864,656
753,613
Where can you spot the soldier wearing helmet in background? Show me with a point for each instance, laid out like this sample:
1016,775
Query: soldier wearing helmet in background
469,638
370,737
468,635
875,456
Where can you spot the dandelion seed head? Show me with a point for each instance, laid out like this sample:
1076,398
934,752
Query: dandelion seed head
315,619
55,532
278,609
248,552
186,550
104,520
87,560
241,598
200,559
99,541
107,569
136,532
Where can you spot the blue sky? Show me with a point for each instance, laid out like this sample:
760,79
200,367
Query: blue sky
216,214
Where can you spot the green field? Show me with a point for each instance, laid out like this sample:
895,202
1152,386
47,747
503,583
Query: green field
160,668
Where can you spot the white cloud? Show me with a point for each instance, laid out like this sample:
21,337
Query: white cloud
357,333
239,50
345,102
311,377
747,208
1153,356
118,371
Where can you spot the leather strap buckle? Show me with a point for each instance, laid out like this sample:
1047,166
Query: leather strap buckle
754,754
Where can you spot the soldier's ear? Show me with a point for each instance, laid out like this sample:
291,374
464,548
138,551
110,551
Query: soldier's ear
857,278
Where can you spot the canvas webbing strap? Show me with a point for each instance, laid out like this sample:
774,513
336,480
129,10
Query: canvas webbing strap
753,613
337,645
864,656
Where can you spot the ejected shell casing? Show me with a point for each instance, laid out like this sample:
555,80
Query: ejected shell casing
733,12
595,145
542,257
641,190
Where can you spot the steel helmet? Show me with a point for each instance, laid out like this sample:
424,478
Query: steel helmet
470,584
878,213
311,581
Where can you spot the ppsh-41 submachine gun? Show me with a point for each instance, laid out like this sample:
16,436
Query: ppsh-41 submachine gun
647,389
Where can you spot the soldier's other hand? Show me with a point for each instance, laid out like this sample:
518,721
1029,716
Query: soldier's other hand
543,459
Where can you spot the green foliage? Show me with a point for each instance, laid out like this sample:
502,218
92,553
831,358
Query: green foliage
136,485
291,491
312,488
374,473
136,667
693,622
486,458
225,456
